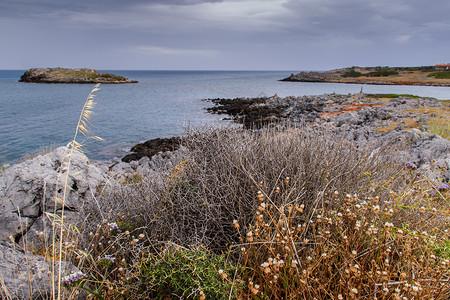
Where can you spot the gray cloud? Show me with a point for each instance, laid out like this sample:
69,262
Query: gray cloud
228,33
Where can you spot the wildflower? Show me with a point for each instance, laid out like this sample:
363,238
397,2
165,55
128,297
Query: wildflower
223,274
354,291
202,295
410,165
262,206
105,261
294,263
250,237
113,227
443,187
260,196
141,236
388,225
235,224
73,279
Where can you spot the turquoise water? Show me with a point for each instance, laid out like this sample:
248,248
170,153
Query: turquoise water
162,104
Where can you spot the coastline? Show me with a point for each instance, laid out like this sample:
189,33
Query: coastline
420,76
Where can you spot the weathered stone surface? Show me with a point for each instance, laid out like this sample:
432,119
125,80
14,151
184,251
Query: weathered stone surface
61,75
28,189
27,276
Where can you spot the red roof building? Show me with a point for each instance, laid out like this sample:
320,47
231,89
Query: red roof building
442,67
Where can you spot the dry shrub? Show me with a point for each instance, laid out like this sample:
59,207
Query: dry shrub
195,202
388,247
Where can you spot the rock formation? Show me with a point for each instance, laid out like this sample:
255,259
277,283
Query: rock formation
61,75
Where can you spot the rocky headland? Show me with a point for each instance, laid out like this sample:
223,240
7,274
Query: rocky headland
426,75
79,76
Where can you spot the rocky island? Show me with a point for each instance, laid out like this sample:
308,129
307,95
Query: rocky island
425,75
62,75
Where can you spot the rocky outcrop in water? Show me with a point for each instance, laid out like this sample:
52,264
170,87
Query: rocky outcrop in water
61,75
152,147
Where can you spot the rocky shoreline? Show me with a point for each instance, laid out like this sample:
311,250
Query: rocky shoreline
360,120
78,76
367,120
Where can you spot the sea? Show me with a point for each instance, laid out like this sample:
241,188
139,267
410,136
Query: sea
163,104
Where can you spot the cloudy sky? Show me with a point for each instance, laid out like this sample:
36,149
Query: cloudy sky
223,34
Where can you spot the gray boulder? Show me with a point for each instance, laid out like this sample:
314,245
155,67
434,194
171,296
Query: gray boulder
27,276
430,153
28,190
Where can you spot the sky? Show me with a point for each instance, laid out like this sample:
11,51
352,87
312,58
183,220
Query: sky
223,34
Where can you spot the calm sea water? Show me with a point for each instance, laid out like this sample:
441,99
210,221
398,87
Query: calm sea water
162,104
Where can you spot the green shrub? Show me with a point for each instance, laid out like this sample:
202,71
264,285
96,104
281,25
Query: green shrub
440,75
381,73
352,73
187,274
391,96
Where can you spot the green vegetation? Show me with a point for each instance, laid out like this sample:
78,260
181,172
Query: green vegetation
87,75
187,274
420,68
382,72
440,75
391,96
352,73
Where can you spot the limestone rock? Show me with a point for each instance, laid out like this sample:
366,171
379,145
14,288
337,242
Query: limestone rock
27,276
28,189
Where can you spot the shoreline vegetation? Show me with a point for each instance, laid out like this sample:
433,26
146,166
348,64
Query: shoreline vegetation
314,197
424,75
73,76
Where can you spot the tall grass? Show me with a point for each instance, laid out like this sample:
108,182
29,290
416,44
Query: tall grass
440,125
59,230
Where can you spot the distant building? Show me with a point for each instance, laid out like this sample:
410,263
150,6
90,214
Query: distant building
442,67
